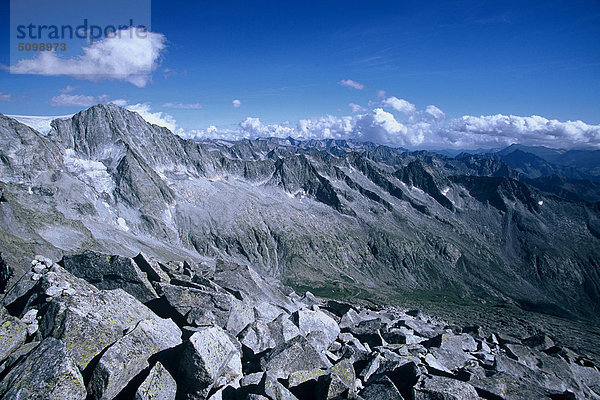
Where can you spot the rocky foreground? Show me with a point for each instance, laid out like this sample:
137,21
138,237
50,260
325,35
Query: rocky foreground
95,326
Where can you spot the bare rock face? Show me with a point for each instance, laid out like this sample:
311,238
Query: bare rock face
129,355
46,373
159,385
65,338
210,360
87,320
440,388
13,333
110,272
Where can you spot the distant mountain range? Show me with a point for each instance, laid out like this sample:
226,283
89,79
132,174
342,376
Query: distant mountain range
343,219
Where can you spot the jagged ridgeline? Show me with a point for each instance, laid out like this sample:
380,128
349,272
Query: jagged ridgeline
343,219
97,326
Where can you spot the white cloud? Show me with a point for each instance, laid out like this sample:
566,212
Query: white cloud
253,127
400,105
327,127
130,56
351,84
435,112
380,126
77,100
356,108
184,106
236,103
381,94
425,129
157,118
501,130
6,97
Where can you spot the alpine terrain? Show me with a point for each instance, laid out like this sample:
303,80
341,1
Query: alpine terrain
421,276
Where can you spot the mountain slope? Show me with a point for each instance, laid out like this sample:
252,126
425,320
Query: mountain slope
341,218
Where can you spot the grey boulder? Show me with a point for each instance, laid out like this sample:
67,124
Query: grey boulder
129,355
110,272
46,373
159,385
210,360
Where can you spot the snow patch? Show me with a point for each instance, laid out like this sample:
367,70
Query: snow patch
38,123
541,202
122,224
93,173
445,191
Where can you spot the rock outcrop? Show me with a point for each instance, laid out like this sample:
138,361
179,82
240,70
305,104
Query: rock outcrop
93,343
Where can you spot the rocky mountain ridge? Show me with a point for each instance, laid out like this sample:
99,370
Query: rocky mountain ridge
97,326
341,218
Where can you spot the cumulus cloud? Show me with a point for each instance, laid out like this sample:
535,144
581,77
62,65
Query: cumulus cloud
400,105
501,130
236,103
356,108
184,106
435,112
349,83
77,100
404,125
130,55
157,118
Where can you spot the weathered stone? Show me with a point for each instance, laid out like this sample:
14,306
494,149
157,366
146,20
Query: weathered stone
372,367
350,319
299,377
110,272
91,319
338,308
450,350
383,389
13,333
259,336
46,373
506,387
251,285
294,355
201,307
401,335
30,319
421,328
433,364
369,332
267,312
441,388
241,315
405,375
159,385
534,377
209,360
20,291
309,321
151,268
129,355
251,379
271,388
343,380
540,342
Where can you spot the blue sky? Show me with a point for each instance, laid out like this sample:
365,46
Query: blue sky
284,61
